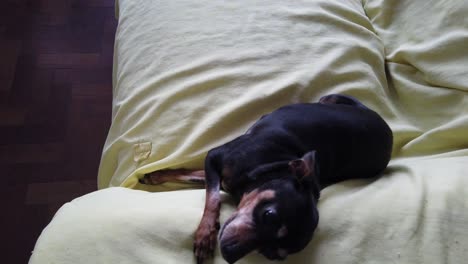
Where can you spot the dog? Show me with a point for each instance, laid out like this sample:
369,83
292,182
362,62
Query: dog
276,170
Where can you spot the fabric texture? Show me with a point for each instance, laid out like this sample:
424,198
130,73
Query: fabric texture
191,75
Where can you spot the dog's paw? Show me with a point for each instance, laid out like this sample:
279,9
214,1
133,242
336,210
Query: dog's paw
205,241
144,180
154,178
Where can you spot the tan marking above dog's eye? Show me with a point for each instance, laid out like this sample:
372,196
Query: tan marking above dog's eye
254,197
283,253
282,232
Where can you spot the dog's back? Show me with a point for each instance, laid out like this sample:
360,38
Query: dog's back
351,141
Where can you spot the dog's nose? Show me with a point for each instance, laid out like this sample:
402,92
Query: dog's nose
231,252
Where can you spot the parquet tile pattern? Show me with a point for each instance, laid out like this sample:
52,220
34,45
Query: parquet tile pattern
55,109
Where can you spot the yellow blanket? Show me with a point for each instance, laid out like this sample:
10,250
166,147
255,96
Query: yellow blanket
191,75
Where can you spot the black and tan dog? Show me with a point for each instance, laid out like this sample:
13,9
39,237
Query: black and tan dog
276,171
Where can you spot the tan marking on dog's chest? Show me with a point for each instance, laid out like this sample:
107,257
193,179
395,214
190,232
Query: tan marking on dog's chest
226,175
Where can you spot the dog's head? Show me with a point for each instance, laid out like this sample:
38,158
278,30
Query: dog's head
277,218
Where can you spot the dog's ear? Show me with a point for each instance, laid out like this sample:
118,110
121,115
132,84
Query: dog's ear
306,171
304,167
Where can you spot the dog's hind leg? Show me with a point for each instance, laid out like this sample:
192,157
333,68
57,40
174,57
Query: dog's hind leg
176,175
341,99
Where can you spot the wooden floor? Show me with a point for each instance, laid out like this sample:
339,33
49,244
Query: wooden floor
55,108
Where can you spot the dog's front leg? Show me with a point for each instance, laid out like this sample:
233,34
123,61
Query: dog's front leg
206,234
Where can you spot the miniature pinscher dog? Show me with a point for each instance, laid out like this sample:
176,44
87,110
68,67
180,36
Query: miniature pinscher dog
276,170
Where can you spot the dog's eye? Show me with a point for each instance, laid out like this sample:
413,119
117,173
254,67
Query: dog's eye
270,217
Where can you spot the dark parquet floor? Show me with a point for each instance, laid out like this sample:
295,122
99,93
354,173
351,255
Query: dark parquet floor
55,110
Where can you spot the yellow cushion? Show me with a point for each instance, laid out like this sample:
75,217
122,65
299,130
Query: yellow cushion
191,75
